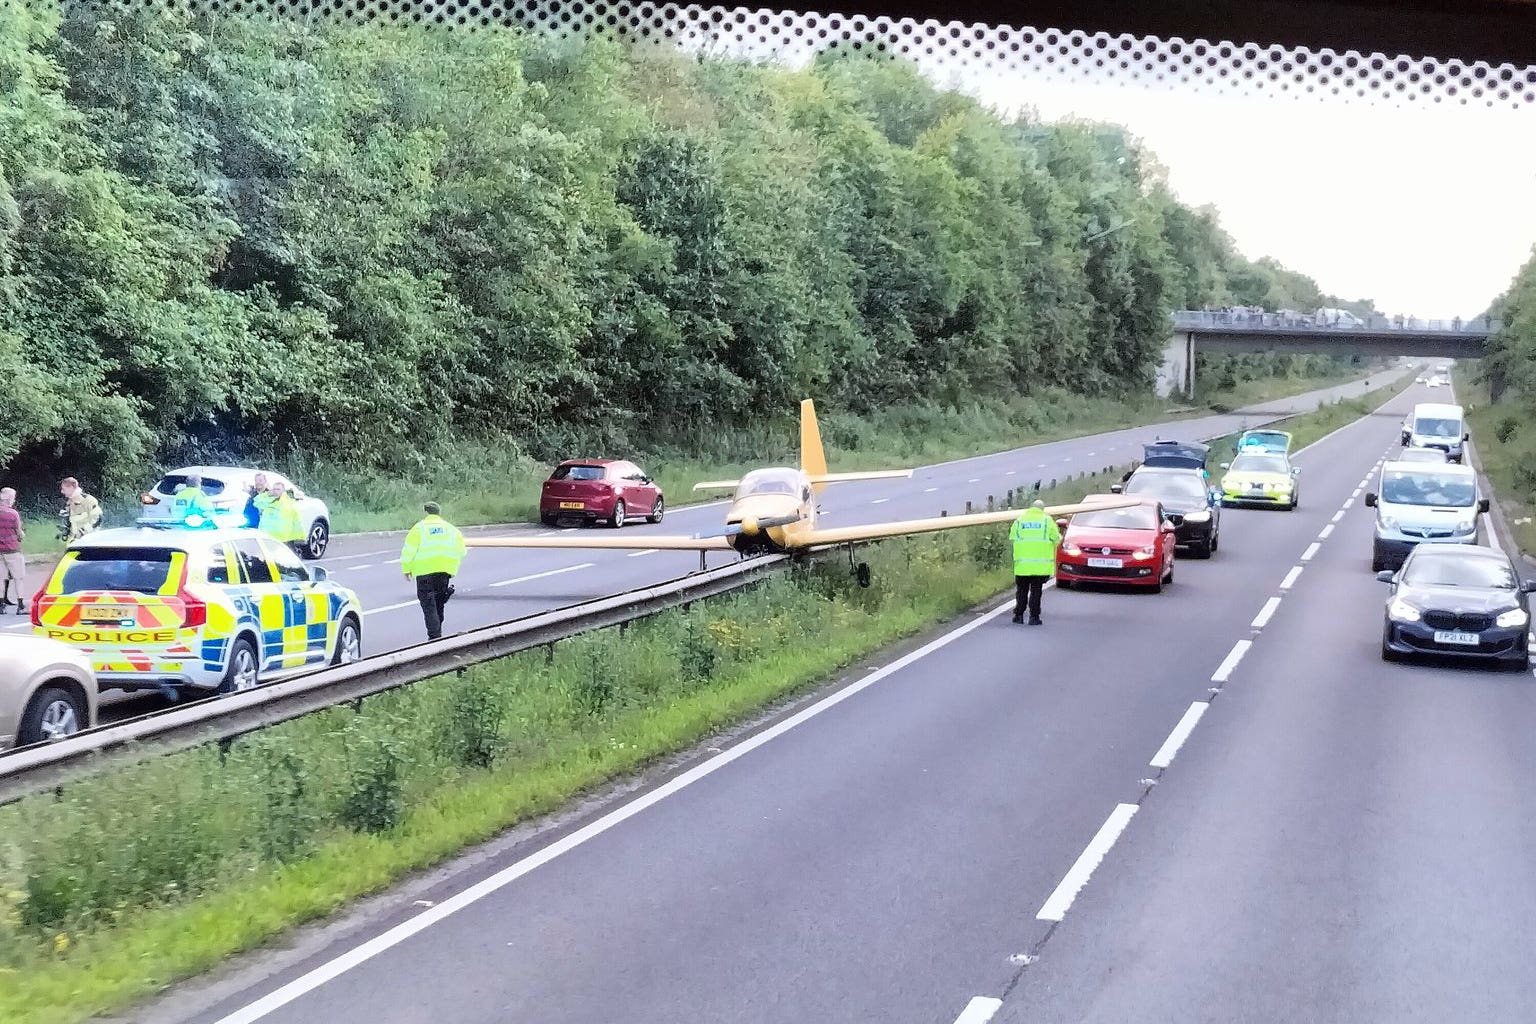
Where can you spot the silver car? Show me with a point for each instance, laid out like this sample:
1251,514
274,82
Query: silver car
47,691
228,488
1423,503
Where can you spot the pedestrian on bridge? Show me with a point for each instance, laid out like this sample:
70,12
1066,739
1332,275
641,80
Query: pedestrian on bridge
432,553
1035,537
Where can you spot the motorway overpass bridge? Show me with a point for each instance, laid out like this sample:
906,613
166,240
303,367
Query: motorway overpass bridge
1219,331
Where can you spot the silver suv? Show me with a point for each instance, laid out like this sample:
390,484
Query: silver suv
1422,503
47,691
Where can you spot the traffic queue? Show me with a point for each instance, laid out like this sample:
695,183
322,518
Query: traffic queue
210,592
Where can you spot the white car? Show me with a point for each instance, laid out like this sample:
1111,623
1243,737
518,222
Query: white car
228,488
47,691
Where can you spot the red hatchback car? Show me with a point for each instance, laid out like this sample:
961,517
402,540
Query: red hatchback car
610,490
1117,545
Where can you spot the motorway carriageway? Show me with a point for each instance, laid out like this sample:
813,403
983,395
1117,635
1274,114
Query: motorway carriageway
1217,803
495,586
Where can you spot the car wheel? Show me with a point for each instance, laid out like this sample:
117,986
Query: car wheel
1516,664
244,670
547,519
349,643
52,714
1157,588
1062,584
1169,577
1215,542
1387,654
318,540
658,510
1203,550
618,514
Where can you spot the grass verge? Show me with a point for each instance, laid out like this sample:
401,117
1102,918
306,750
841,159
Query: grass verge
1505,440
108,896
486,484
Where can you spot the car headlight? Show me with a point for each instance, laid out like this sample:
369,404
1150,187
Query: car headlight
1513,617
1197,517
1282,485
1402,611
1389,522
1466,526
1142,554
1070,548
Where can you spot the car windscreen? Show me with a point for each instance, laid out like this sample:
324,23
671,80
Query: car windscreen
144,570
173,482
577,473
1136,517
1183,487
1421,455
1259,464
1428,488
1448,571
1436,426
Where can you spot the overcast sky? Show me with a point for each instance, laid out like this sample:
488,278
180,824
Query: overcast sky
1429,209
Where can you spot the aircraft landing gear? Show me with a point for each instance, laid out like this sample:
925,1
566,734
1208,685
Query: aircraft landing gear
861,571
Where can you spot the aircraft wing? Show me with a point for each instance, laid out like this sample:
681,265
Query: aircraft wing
840,478
717,485
877,531
634,542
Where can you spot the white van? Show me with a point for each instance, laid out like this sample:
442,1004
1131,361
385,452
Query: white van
1433,425
1422,503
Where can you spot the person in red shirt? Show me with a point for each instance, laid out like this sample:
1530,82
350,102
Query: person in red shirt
13,567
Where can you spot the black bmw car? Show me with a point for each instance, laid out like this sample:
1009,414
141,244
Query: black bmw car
1174,473
1459,601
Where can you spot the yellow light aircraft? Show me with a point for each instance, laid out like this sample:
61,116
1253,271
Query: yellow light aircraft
774,510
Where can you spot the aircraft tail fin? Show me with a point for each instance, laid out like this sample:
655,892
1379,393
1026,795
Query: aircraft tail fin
813,459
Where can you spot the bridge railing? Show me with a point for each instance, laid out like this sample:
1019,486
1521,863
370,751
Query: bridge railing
1219,319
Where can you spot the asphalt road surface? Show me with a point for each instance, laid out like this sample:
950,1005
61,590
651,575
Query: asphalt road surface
1216,803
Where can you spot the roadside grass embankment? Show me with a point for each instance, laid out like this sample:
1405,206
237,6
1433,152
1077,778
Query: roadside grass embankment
115,886
1504,441
484,484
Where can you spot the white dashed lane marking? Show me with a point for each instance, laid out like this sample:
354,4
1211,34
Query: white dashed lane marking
979,1010
1290,578
1165,754
1229,663
1262,619
1327,532
1338,515
542,575
1306,555
1060,901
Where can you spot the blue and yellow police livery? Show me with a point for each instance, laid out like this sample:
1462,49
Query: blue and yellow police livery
209,609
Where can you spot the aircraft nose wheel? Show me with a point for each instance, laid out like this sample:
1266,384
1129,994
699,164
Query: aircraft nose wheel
862,574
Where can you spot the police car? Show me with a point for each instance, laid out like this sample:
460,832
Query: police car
171,607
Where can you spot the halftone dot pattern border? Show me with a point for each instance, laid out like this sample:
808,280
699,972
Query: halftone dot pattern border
952,52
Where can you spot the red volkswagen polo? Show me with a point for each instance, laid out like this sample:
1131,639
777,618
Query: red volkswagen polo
600,490
1131,545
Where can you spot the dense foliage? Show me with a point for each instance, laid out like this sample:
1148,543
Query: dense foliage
222,237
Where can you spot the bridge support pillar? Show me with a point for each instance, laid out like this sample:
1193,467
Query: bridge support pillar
1177,374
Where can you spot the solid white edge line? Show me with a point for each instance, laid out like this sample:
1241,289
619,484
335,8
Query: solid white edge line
1229,664
647,551
979,1010
311,980
1165,754
1077,876
1265,614
1306,556
542,575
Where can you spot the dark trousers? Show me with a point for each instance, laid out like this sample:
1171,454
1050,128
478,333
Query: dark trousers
432,590
1027,591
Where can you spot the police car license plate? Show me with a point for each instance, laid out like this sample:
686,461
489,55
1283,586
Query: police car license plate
1255,487
1106,563
1453,636
573,504
104,614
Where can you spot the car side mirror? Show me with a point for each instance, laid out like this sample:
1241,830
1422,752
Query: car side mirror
1295,471
1386,576
1528,587
1482,504
1466,437
1116,488
318,574
1370,499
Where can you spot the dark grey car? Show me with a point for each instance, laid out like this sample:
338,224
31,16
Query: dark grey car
1458,601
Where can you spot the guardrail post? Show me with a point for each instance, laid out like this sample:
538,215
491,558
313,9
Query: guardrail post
991,504
967,508
943,513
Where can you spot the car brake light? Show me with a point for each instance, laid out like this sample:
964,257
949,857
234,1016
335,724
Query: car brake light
194,611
